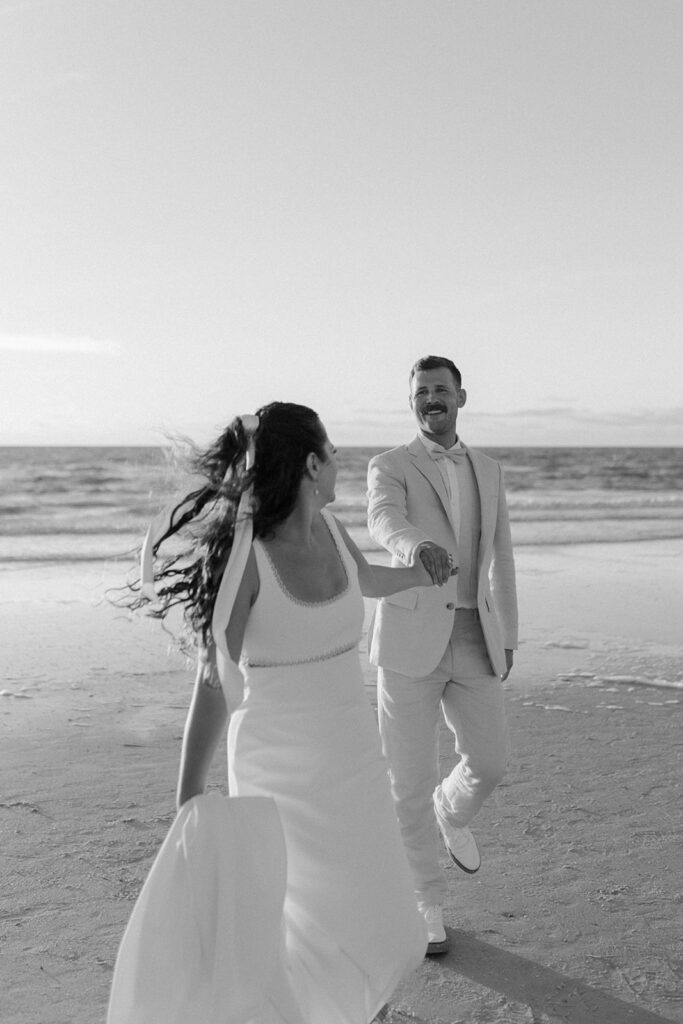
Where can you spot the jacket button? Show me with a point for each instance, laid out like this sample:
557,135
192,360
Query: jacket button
450,606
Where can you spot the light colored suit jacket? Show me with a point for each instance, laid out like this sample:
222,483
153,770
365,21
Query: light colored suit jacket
407,505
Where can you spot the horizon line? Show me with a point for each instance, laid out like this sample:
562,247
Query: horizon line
388,445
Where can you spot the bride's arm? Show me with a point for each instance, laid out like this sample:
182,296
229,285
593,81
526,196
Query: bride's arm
203,729
208,712
383,580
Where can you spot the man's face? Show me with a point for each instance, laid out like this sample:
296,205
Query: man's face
435,400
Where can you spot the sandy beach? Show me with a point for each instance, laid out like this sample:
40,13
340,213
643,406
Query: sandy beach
577,913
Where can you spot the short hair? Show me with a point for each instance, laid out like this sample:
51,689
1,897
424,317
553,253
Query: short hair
436,363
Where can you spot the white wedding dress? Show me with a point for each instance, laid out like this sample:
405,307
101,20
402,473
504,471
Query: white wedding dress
341,900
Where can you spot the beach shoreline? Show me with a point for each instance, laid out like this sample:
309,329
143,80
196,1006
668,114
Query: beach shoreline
576,914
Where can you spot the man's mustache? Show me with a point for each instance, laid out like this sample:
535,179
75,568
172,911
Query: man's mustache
434,408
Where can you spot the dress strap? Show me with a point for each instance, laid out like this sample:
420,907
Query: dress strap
347,558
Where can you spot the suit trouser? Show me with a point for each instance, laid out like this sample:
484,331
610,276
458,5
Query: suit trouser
472,700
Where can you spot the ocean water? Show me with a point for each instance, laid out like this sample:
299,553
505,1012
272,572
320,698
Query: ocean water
92,503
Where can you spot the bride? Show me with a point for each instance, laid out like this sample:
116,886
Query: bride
272,590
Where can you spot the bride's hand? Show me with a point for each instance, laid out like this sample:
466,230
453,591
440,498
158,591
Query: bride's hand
424,578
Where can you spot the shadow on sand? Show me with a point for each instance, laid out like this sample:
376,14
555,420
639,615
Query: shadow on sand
544,990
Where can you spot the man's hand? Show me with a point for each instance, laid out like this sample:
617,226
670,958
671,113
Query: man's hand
509,658
437,562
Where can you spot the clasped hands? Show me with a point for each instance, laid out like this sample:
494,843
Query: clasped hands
438,562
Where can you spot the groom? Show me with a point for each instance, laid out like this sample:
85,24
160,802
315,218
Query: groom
448,646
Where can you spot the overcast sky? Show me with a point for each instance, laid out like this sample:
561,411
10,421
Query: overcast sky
210,204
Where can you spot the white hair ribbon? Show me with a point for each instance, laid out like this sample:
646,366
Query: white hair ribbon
228,671
171,513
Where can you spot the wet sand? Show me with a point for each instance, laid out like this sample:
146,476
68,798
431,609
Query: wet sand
576,915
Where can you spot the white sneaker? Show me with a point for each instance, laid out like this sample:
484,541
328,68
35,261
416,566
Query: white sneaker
437,940
459,842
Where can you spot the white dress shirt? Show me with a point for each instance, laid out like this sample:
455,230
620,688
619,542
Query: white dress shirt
463,495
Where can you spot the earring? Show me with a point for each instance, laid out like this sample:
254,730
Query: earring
316,490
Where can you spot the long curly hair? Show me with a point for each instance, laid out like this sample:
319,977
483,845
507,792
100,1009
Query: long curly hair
286,435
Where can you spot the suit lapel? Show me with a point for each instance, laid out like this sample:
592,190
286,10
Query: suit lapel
429,469
486,484
488,500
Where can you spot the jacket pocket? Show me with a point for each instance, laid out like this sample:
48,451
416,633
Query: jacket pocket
404,599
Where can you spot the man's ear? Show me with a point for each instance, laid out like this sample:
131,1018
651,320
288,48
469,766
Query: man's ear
410,401
462,397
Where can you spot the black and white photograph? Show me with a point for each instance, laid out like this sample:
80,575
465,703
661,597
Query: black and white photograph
341,511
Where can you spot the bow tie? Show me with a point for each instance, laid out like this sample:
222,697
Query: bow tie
454,454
